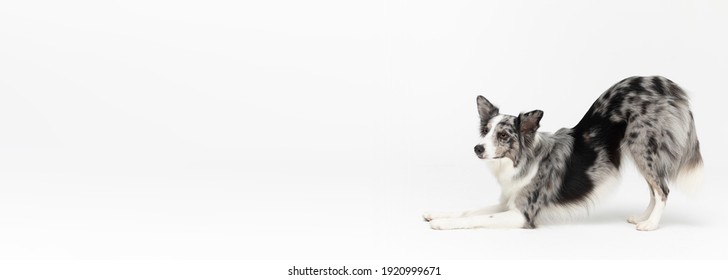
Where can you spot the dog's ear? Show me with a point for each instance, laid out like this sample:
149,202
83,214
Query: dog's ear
486,110
529,122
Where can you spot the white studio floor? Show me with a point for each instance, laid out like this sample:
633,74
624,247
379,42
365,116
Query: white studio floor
218,214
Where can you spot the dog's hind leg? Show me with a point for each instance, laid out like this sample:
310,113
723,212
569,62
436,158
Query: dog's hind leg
659,187
449,215
653,168
646,214
656,161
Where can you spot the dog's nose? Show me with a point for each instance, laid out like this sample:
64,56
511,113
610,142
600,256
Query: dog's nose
479,149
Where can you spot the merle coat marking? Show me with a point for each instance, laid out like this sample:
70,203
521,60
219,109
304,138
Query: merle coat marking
645,118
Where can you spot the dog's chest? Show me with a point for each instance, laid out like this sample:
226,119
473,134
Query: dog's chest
511,185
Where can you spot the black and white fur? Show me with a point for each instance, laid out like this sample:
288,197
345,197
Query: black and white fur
645,118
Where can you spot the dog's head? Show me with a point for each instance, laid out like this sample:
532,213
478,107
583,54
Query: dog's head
505,136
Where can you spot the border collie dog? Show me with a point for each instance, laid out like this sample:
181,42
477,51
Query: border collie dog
647,119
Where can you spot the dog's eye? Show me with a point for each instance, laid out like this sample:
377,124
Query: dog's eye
502,136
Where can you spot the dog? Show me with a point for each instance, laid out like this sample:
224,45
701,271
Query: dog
647,119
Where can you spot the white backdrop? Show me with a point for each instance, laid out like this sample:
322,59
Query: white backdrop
324,129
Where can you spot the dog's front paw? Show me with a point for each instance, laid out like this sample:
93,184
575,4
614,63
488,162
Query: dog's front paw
647,225
437,225
427,217
445,224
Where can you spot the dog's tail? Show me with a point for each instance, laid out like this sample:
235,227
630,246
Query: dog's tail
689,175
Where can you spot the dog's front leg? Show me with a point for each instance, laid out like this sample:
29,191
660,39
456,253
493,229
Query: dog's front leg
476,212
508,219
